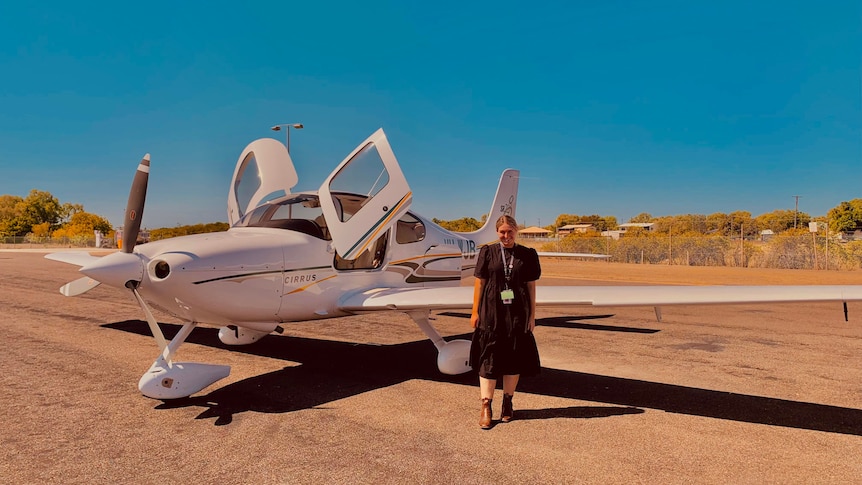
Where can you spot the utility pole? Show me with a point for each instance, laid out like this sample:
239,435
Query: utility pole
796,212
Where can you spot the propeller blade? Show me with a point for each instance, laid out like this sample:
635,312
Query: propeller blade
79,286
135,206
78,258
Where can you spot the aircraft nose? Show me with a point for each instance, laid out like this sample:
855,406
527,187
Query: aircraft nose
116,269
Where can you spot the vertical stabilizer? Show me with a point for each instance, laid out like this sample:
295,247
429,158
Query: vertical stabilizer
504,204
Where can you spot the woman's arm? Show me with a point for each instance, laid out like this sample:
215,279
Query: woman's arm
477,295
531,287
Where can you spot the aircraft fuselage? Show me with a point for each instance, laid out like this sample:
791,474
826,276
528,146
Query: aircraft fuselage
258,277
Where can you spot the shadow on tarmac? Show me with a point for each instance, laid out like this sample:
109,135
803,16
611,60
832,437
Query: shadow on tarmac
574,322
332,370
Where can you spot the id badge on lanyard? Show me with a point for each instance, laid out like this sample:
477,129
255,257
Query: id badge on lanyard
507,295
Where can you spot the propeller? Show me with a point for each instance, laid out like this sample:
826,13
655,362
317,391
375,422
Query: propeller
135,206
79,286
120,268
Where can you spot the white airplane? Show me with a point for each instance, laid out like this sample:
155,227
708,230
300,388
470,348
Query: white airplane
353,246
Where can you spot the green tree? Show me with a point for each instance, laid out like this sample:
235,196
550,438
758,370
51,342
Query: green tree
781,220
681,224
718,223
846,216
67,210
642,217
565,220
10,222
41,230
37,208
742,221
464,224
169,232
18,216
83,224
602,223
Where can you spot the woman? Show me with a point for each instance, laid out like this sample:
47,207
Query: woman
504,316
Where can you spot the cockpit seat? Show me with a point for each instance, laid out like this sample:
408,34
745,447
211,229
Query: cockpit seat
304,226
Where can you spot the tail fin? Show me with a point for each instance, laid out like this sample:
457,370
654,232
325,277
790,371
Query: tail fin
504,204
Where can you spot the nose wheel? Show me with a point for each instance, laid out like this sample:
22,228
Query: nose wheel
167,379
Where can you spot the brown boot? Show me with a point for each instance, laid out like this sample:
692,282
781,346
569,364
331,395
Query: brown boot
485,419
508,412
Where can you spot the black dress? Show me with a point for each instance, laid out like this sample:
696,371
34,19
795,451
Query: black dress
502,342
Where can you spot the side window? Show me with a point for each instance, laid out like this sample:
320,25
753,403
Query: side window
365,174
348,204
371,258
248,180
409,229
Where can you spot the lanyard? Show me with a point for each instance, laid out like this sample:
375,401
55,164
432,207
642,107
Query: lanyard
507,268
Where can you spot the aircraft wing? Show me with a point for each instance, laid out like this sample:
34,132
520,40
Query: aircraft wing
690,295
408,299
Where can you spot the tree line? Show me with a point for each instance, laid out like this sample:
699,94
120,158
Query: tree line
41,215
845,217
169,232
719,239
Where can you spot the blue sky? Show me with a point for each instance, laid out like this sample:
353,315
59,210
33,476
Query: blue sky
610,108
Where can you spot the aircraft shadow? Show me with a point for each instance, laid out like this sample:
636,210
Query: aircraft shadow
576,412
332,370
573,321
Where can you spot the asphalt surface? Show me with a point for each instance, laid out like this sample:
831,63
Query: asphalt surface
720,394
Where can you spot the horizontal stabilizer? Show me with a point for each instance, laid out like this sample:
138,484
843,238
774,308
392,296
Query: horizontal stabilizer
78,258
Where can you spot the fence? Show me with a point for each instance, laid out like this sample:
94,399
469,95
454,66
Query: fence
785,252
30,242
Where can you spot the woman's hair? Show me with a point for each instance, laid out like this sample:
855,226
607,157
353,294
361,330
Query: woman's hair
506,219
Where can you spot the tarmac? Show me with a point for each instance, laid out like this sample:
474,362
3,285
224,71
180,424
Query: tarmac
712,394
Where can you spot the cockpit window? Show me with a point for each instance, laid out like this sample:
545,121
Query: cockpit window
409,229
348,204
248,180
364,174
300,213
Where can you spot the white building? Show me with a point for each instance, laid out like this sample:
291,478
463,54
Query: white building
623,228
534,232
570,228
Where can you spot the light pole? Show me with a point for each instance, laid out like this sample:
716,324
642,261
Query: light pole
287,127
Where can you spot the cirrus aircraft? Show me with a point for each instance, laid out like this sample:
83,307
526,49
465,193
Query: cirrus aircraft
353,246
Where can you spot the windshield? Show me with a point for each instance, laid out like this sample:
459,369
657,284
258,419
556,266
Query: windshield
300,213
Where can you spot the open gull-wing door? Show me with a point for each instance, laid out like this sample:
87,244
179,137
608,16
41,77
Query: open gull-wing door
263,172
364,196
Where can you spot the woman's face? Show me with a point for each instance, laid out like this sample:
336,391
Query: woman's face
507,234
